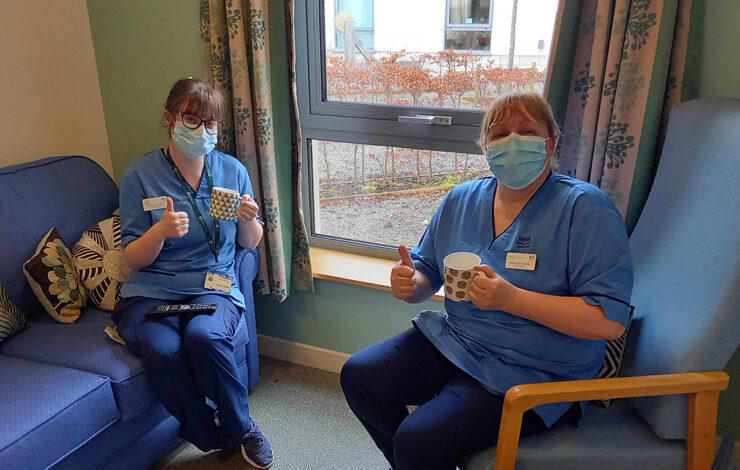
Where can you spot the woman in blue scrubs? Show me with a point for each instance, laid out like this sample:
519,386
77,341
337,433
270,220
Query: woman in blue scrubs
556,283
180,254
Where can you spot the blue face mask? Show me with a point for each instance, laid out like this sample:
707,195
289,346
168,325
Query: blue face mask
193,143
516,161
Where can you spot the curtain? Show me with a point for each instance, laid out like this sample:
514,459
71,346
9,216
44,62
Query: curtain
236,38
628,71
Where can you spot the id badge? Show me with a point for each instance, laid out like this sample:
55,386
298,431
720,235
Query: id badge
218,281
523,261
154,203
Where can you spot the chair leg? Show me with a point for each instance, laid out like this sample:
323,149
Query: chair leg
508,440
702,426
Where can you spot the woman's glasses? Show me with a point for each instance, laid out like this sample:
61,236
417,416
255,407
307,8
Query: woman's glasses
191,121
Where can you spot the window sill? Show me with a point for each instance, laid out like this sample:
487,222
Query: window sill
350,268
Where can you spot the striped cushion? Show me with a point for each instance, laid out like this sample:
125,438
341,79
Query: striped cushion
99,261
11,319
613,357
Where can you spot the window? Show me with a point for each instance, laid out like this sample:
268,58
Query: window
468,25
390,125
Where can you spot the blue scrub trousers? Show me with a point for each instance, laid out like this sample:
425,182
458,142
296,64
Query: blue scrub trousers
187,359
455,417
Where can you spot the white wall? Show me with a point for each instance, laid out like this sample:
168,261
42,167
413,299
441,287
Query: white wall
50,100
424,20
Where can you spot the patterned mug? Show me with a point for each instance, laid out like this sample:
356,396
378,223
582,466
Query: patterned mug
224,202
459,274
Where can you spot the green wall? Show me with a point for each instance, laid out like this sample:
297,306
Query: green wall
142,47
339,317
720,69
720,60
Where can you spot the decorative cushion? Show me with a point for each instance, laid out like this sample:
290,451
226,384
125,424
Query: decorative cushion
53,278
99,261
11,319
613,358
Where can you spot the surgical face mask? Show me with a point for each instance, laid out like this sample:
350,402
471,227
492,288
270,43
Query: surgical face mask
516,161
193,143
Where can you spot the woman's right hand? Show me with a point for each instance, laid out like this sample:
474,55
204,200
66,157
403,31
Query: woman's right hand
402,275
172,224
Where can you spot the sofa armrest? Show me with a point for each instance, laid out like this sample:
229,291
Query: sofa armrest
703,389
246,265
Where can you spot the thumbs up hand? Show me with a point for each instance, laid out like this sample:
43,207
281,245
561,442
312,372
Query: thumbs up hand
173,224
402,275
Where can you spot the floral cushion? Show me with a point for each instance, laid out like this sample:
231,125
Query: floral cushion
53,278
11,319
99,261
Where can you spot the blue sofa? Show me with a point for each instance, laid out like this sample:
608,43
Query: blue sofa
71,398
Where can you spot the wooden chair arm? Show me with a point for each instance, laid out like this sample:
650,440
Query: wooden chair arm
703,389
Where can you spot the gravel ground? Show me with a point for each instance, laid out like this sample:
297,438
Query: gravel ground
391,218
385,219
389,214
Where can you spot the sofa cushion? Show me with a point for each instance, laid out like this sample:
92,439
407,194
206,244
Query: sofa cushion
86,347
11,319
47,411
53,278
99,261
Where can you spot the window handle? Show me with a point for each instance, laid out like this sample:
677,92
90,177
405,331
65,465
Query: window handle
426,120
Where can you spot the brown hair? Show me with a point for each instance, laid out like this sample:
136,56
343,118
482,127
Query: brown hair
197,97
517,102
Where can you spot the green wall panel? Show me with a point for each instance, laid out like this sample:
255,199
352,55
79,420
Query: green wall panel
720,69
720,61
340,317
141,48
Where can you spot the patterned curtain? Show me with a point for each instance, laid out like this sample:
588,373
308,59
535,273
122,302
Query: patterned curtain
630,58
237,50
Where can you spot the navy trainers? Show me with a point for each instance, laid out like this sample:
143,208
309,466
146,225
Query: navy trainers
256,449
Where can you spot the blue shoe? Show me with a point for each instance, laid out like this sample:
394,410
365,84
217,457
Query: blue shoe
256,449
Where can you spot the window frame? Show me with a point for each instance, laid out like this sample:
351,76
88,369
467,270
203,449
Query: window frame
364,123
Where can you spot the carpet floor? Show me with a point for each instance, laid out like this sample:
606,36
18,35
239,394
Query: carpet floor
303,412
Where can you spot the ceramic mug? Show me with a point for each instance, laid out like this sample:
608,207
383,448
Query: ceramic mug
459,274
224,202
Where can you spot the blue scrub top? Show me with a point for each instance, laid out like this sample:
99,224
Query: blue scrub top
180,269
582,250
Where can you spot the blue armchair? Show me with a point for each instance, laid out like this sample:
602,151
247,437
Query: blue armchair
686,249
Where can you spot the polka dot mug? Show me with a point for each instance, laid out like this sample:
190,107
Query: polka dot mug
459,274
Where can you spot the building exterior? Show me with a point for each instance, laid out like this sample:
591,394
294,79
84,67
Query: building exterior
421,26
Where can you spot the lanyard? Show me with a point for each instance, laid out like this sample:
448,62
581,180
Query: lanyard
215,246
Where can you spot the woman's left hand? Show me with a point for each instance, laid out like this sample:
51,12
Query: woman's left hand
247,210
490,291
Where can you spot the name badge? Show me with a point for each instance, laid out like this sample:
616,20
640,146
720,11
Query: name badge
523,261
218,282
154,203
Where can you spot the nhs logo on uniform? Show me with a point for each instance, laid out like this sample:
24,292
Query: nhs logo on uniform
524,241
